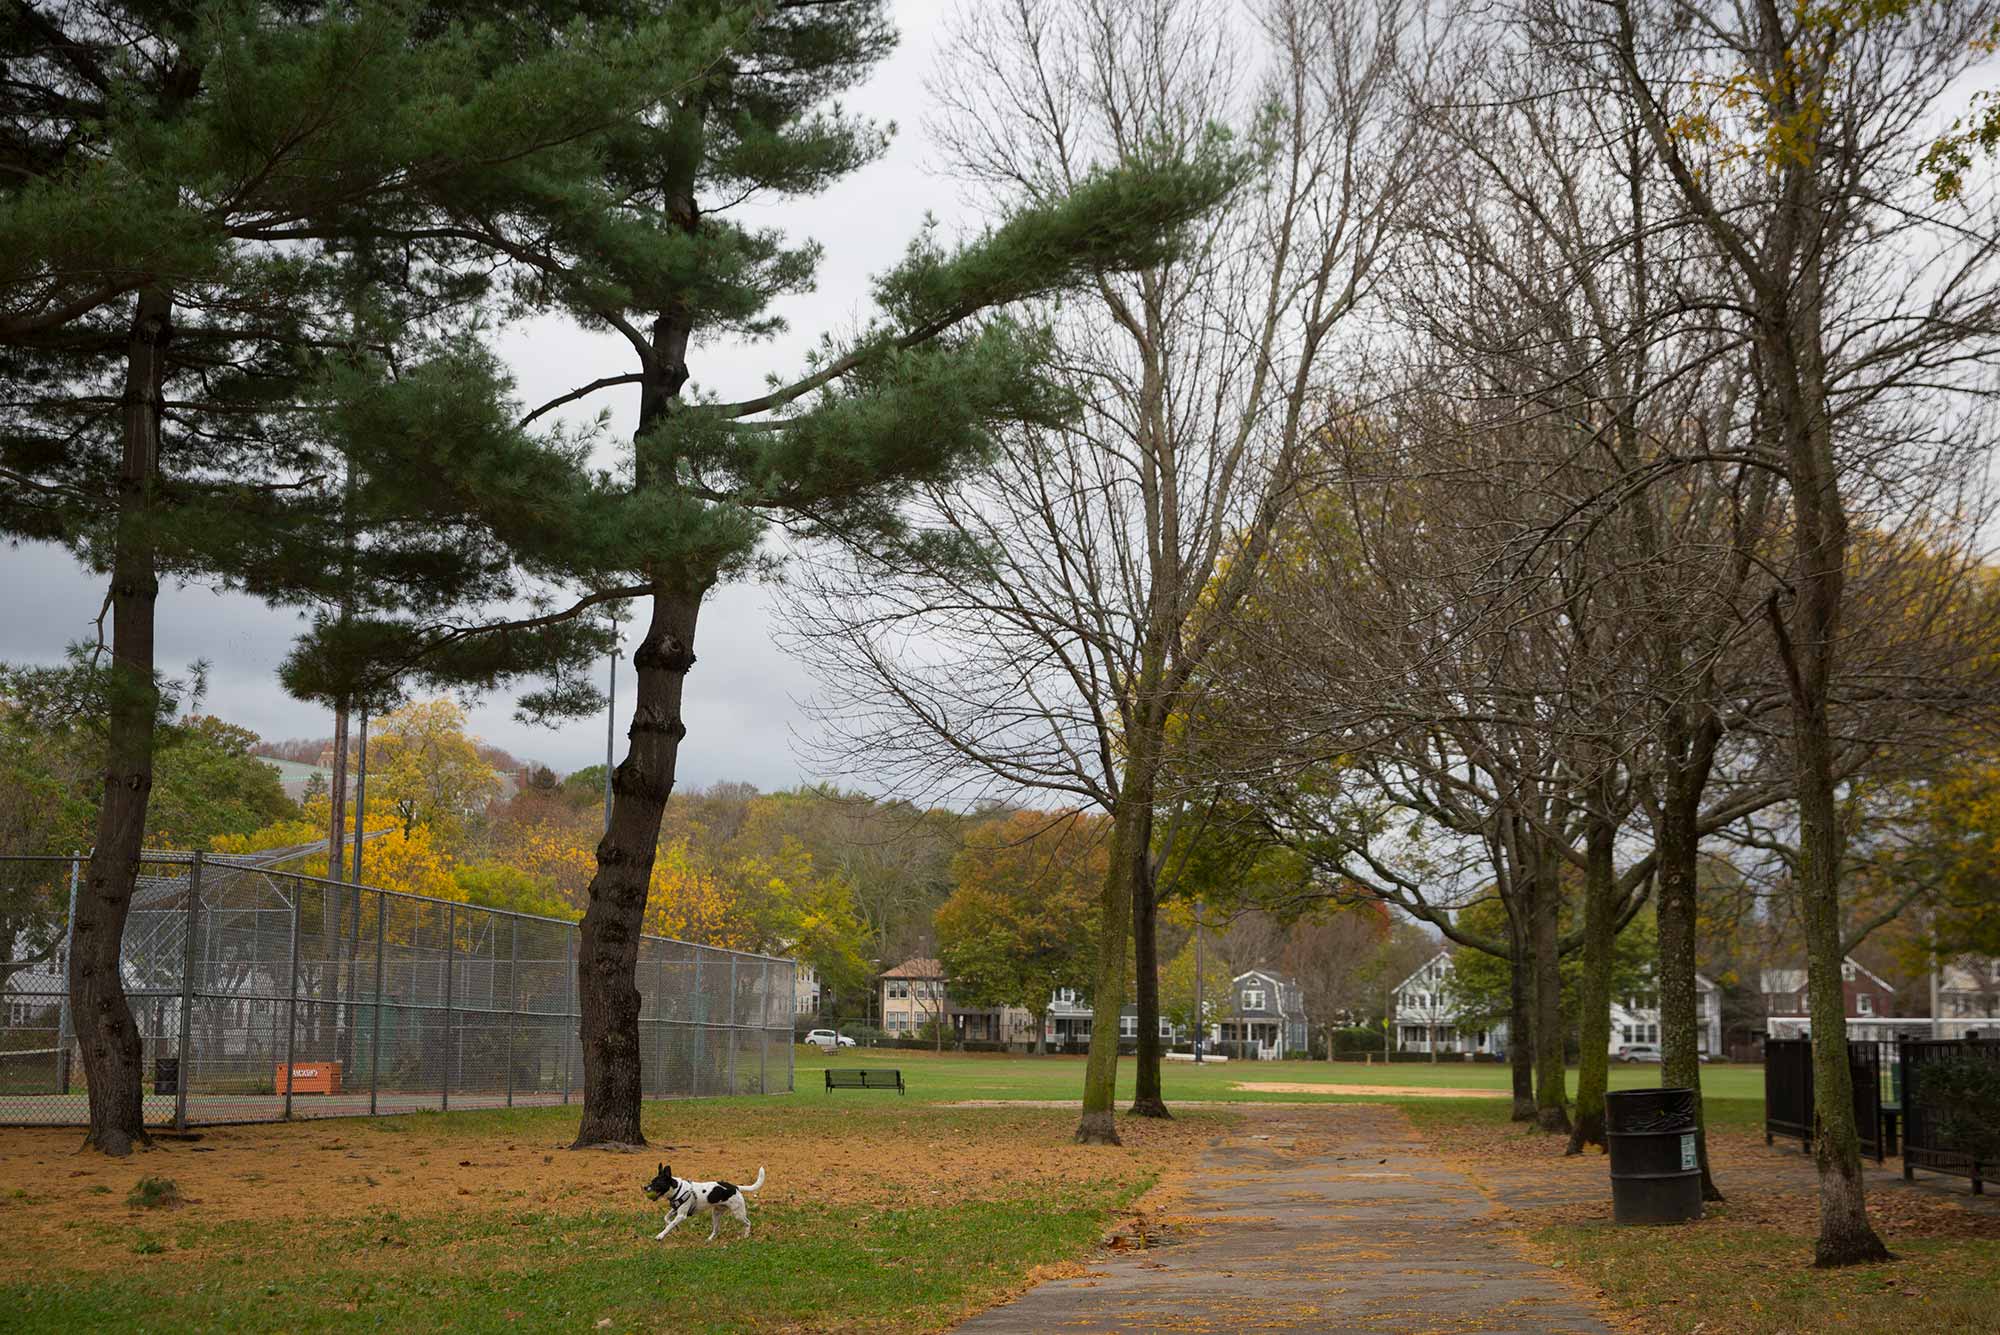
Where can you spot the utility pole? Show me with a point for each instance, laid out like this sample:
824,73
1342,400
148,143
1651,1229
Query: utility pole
1200,1015
360,798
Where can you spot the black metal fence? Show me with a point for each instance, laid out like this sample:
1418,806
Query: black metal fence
1788,1092
1926,1144
263,995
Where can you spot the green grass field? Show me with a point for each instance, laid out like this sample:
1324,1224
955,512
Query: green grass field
1733,1094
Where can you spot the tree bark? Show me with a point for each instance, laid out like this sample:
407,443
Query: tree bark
1594,1002
608,943
1147,1099
1551,1074
1521,1023
1098,1126
1680,1020
107,1036
1795,369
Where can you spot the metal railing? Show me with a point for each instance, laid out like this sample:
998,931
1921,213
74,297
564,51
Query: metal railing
1926,1144
1788,1092
263,995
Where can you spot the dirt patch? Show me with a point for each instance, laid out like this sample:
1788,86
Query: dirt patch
1370,1091
51,1195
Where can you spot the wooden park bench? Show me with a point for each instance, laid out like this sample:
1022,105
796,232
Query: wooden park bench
865,1078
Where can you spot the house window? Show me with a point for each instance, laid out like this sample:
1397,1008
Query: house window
1847,973
1128,1026
1253,999
1864,1004
899,991
1066,995
1166,1029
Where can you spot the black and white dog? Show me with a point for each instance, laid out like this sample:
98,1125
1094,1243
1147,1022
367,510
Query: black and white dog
684,1198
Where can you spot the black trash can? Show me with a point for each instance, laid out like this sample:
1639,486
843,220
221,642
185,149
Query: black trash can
166,1075
1655,1170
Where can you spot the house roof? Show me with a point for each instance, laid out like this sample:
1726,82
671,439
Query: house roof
1421,969
916,968
1794,980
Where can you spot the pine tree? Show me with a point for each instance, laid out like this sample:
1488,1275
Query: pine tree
644,245
186,191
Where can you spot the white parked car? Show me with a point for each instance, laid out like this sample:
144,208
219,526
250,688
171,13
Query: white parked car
828,1040
1639,1052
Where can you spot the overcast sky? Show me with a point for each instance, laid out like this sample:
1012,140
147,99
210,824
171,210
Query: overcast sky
741,698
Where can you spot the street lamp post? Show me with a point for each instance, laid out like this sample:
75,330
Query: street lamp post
1200,1016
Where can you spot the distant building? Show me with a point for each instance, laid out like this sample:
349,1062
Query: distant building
1969,989
1866,996
1266,1009
916,992
1427,1016
1968,1002
1255,1007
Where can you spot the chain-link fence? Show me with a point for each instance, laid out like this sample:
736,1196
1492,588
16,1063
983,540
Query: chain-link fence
263,995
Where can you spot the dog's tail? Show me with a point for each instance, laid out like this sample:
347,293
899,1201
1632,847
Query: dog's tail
758,1183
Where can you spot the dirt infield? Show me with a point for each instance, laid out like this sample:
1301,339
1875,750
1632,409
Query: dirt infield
1369,1091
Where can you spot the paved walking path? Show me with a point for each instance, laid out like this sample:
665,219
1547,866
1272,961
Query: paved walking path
1326,1218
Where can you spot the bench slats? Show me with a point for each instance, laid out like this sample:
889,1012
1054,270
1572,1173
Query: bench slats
865,1078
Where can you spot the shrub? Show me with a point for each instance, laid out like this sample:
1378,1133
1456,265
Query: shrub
154,1193
1964,1091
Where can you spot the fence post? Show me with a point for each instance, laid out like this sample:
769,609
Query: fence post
569,987
187,995
513,1001
732,1022
700,1029
375,1039
63,1018
292,997
450,963
764,1036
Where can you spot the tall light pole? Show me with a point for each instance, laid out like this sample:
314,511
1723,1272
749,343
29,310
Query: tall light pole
610,724
1200,1016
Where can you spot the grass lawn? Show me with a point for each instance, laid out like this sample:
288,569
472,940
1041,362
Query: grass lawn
952,1077
877,1213
1746,1267
1732,1273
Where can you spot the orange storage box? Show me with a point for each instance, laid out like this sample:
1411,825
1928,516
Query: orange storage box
309,1078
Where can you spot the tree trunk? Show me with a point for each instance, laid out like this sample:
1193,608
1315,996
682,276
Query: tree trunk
1795,368
1551,1075
1594,1002
1679,850
336,829
608,942
1147,1098
107,1036
1521,1024
1098,1126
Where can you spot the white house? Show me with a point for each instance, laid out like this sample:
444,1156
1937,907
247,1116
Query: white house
1426,1014
805,989
1256,1006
